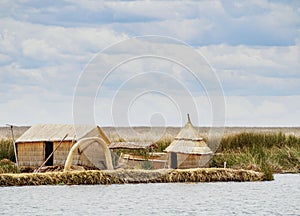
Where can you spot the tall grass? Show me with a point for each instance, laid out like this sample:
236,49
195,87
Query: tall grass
271,152
7,149
257,140
162,144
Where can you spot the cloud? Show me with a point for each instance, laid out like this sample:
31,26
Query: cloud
4,59
198,23
48,56
38,107
263,111
253,46
216,22
256,70
135,110
38,50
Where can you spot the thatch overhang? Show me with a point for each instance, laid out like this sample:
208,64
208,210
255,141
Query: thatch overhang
56,132
188,141
132,145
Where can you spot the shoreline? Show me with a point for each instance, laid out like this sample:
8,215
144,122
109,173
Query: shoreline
93,177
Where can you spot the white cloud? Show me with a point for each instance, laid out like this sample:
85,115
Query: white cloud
70,40
274,59
39,50
254,47
4,59
256,70
263,111
204,22
36,106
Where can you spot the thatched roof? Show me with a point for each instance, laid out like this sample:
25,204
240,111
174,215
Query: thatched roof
56,132
131,145
188,141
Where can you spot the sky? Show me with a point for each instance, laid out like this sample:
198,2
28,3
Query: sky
253,48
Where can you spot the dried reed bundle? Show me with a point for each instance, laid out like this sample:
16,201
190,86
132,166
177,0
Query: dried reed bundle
130,176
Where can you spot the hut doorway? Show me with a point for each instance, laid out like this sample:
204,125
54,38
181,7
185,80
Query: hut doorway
48,151
173,160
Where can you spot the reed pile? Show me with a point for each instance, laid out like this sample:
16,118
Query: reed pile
91,177
7,166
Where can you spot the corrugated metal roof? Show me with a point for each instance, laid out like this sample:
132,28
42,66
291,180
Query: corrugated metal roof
55,132
131,145
188,141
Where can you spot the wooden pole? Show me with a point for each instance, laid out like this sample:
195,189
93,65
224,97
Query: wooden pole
188,117
13,138
35,171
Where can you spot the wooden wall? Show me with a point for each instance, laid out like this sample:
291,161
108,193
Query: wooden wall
31,154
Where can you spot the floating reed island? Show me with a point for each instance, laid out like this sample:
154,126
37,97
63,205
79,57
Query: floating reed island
125,176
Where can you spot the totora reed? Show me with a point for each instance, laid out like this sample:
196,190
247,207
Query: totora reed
130,176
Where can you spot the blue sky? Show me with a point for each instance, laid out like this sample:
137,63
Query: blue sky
253,46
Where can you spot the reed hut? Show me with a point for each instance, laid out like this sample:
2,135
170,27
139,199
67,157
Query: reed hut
54,141
188,150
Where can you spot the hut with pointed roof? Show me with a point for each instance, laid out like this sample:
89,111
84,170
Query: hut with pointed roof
54,142
188,150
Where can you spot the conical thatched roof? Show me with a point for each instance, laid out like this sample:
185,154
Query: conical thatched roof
188,141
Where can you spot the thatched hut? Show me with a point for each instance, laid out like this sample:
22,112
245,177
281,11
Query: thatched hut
188,150
43,140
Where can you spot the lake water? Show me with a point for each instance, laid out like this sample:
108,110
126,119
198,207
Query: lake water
278,197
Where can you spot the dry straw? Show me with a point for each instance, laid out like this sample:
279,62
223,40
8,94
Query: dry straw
130,176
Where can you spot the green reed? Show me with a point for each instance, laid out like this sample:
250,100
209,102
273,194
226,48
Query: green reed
7,149
271,152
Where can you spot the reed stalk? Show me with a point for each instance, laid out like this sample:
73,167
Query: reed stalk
130,176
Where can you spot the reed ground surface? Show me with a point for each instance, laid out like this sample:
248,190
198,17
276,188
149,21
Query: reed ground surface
130,176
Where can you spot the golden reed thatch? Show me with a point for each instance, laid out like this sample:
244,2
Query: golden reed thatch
130,176
187,141
188,149
40,140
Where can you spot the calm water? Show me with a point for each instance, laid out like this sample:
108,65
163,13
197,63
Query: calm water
279,197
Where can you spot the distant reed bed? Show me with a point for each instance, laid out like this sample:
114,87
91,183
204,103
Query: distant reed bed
257,140
267,152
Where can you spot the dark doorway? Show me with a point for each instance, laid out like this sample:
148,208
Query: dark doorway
173,160
48,151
